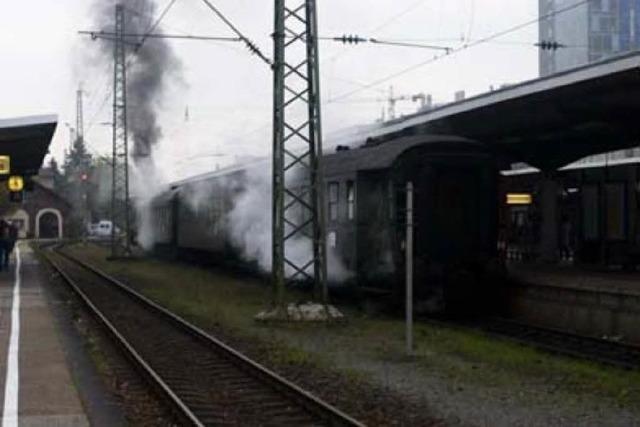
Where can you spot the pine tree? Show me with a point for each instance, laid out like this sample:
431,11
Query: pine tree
75,186
58,178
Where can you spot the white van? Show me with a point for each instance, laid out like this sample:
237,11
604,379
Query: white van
101,230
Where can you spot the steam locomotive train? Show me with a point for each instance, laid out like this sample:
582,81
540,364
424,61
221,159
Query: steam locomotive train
455,216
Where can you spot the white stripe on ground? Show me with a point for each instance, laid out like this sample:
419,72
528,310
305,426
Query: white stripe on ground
10,413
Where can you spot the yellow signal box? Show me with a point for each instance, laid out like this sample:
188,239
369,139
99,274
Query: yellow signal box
5,165
16,183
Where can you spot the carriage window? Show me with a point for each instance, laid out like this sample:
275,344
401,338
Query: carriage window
351,200
333,201
332,239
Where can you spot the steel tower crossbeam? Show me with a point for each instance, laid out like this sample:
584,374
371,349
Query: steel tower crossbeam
298,196
120,215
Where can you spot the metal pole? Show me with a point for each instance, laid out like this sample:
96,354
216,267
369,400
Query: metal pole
72,138
120,179
114,154
409,269
80,114
315,138
277,235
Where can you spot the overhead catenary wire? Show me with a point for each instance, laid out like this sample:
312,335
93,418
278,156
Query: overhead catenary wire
459,49
155,25
253,48
107,35
399,15
497,42
384,24
355,40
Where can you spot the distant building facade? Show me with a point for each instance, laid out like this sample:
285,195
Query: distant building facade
591,32
42,214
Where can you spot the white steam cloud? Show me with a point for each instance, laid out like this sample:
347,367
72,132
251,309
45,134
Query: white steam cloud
249,226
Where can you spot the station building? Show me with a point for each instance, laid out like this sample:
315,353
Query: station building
25,142
42,214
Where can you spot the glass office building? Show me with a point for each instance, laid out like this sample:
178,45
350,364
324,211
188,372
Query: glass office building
590,32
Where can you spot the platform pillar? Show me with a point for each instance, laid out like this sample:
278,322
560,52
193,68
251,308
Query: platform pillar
549,212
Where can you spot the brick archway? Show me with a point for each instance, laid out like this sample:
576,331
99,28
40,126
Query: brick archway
58,217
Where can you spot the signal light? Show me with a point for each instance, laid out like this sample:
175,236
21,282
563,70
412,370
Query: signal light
15,183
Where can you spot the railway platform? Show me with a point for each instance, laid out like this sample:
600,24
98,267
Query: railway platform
39,382
572,277
594,303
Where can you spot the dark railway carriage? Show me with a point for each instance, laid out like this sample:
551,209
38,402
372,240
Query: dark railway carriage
455,184
202,217
163,214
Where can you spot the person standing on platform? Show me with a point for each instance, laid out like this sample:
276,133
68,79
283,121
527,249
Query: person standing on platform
12,237
4,242
566,240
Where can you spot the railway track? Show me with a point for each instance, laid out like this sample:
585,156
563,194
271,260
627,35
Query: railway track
603,351
204,381
599,350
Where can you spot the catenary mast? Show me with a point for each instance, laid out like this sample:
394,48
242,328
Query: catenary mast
298,211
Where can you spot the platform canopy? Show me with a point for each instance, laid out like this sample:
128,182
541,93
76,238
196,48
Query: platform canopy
26,141
547,122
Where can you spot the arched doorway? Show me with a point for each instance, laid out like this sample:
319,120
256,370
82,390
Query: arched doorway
49,224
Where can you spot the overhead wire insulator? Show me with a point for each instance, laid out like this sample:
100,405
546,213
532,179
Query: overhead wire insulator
350,39
550,45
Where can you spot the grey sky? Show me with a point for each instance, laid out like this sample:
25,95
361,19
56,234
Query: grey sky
228,91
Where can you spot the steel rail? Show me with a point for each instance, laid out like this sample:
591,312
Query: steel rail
310,402
550,340
622,355
179,407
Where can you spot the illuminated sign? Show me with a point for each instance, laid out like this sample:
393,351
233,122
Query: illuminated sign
5,165
16,183
519,199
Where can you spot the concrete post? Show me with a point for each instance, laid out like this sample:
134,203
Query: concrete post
549,211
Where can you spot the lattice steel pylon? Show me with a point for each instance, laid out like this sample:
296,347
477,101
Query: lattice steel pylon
298,209
79,115
120,212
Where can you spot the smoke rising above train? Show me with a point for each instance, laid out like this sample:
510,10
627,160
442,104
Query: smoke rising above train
151,69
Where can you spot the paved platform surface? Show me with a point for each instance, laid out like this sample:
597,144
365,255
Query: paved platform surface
573,277
36,385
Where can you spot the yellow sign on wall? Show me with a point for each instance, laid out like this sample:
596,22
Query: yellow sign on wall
5,165
519,199
16,183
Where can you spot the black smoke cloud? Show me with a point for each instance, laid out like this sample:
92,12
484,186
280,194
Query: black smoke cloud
152,68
